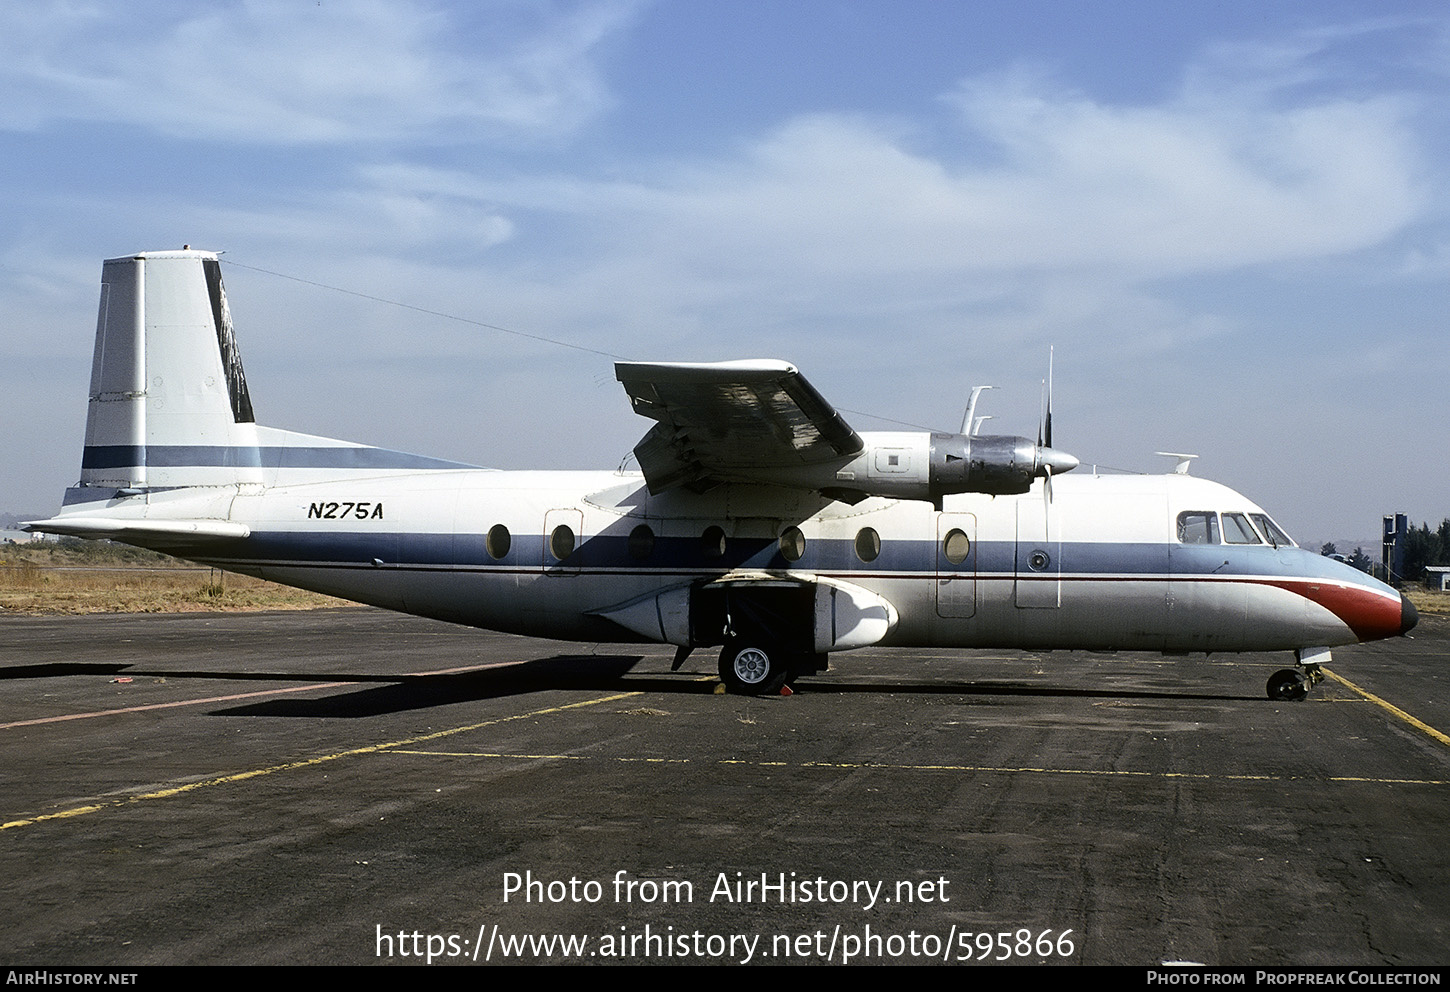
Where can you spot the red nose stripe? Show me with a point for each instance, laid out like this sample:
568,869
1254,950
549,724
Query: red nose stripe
1369,614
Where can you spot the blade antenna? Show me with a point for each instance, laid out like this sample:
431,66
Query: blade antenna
970,423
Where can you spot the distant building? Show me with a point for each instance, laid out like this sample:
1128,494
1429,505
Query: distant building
1437,577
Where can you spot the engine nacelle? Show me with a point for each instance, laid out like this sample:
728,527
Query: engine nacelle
999,465
929,466
924,466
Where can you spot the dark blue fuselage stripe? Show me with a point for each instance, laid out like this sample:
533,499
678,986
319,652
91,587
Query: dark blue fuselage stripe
102,456
610,552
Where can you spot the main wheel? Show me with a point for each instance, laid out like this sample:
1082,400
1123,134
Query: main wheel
752,669
1288,685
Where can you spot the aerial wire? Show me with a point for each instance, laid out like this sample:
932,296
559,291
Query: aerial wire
503,330
509,330
431,313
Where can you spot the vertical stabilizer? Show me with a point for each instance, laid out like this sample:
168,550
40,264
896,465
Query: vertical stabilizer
168,402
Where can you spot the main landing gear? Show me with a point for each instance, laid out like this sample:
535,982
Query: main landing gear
766,627
751,667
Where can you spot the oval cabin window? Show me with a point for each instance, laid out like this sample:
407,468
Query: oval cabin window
792,544
497,542
641,542
956,546
561,542
712,542
868,544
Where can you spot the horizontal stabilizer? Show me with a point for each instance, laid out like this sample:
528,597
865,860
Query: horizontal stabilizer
136,531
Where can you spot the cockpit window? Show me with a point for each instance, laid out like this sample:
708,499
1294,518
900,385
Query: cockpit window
1238,530
1272,531
1198,527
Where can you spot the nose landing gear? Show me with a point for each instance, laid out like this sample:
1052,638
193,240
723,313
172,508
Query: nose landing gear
1289,684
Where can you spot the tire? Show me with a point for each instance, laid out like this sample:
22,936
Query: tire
1287,685
752,669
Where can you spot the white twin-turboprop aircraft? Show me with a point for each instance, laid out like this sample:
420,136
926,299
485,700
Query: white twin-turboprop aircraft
761,522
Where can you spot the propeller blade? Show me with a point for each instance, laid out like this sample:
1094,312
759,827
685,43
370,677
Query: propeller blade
1042,415
1047,502
1047,419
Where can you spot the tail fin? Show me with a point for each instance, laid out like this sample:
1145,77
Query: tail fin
169,407
168,402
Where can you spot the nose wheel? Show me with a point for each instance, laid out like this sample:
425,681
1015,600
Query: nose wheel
1292,685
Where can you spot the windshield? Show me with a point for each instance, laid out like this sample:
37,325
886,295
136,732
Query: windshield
1272,531
1238,530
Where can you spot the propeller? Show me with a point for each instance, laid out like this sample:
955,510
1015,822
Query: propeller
1044,423
1047,457
994,464
1049,460
1047,416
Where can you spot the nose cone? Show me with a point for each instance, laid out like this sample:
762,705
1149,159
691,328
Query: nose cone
1409,616
1058,461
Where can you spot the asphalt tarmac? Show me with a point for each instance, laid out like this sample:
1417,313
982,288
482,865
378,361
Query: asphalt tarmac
355,787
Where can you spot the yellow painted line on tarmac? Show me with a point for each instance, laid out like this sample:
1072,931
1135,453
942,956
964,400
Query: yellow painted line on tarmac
1391,708
304,763
974,769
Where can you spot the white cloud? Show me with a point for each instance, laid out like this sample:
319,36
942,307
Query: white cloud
276,72
1032,196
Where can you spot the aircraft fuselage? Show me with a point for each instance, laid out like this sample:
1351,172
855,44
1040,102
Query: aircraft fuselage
1099,567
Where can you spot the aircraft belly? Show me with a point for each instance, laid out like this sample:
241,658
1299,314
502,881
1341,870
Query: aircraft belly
372,588
1115,613
1277,619
1206,614
1094,614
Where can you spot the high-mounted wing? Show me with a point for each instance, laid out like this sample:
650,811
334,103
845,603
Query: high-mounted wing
727,421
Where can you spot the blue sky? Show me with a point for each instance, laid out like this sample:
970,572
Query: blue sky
1229,219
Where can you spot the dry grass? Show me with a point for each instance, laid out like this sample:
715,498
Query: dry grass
1428,601
97,577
